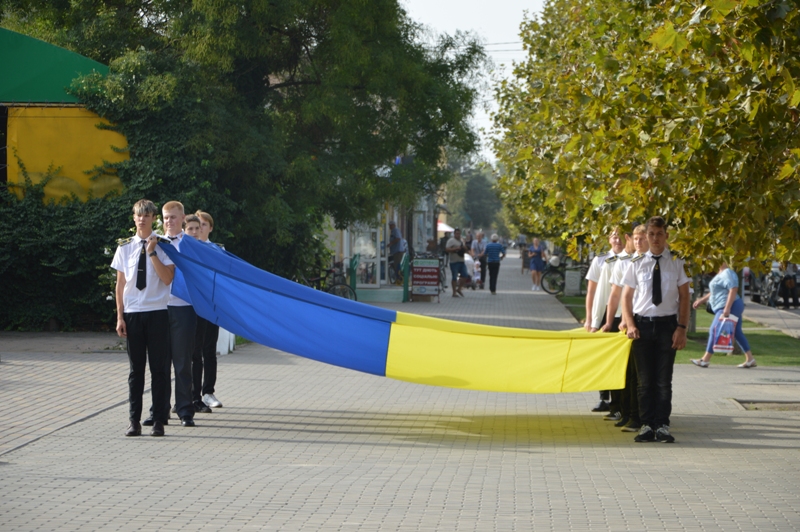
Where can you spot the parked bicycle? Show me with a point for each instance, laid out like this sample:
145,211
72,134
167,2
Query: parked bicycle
333,282
554,278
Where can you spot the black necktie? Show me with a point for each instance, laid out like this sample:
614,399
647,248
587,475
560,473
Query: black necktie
656,282
173,237
141,269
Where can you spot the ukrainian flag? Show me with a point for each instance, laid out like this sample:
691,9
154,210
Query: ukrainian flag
284,315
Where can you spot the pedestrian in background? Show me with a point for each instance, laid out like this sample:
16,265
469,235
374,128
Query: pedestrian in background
724,298
479,254
788,286
537,255
456,250
494,252
396,250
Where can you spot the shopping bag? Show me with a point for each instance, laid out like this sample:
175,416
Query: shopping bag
723,332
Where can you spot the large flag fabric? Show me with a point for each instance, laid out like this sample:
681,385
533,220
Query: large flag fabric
284,315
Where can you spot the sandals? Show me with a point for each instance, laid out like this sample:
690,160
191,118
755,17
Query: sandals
699,362
747,365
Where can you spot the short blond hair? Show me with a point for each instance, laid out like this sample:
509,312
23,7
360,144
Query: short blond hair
640,229
170,205
205,216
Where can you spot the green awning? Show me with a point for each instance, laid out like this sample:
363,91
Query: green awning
34,71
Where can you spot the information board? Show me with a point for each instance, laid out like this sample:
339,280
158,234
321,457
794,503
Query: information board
425,276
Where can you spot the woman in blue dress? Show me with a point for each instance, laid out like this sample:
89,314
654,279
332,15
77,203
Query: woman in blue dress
537,253
724,301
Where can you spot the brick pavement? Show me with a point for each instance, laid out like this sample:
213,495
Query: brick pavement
305,446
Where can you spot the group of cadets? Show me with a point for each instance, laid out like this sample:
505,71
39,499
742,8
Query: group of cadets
639,287
160,327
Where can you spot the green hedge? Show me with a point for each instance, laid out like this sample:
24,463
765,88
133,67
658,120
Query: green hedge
55,258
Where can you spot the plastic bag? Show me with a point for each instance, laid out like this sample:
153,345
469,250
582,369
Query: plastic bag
723,332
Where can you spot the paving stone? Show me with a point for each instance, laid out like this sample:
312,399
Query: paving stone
305,446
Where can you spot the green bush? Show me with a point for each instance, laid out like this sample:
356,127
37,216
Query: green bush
55,260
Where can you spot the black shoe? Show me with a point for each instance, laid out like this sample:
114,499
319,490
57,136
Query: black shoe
645,435
631,426
187,422
149,422
663,435
614,416
158,429
602,406
622,422
202,408
134,429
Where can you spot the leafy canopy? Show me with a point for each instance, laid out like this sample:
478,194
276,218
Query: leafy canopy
625,110
272,116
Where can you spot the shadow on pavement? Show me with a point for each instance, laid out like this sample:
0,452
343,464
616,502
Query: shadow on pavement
480,432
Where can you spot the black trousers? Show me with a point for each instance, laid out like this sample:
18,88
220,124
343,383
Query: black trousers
483,272
614,397
494,269
629,400
204,359
148,340
182,330
655,359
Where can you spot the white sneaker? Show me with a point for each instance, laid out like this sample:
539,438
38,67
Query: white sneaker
211,401
533,288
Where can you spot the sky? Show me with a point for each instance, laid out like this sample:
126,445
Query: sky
496,22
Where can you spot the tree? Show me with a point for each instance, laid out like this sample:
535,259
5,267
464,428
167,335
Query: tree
627,110
271,116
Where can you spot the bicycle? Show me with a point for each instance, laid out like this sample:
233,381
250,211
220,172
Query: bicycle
395,276
332,282
554,278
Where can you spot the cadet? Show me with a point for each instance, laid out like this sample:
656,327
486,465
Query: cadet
596,298
629,401
655,308
144,275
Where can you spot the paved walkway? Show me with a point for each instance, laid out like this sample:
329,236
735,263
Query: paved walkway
786,321
304,446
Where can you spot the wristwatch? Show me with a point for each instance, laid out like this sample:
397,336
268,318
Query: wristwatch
681,325
153,253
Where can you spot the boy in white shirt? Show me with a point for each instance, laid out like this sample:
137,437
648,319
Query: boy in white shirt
655,307
144,275
597,291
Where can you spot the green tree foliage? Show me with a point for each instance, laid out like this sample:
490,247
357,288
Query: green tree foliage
272,116
629,109
472,197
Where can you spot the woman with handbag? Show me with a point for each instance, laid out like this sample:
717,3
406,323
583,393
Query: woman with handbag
723,301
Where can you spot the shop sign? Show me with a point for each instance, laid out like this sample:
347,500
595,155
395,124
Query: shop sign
425,276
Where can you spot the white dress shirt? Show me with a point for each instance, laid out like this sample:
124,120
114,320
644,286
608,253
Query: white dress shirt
620,268
597,266
640,277
604,288
155,295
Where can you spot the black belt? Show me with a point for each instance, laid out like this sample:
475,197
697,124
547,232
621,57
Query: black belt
637,317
